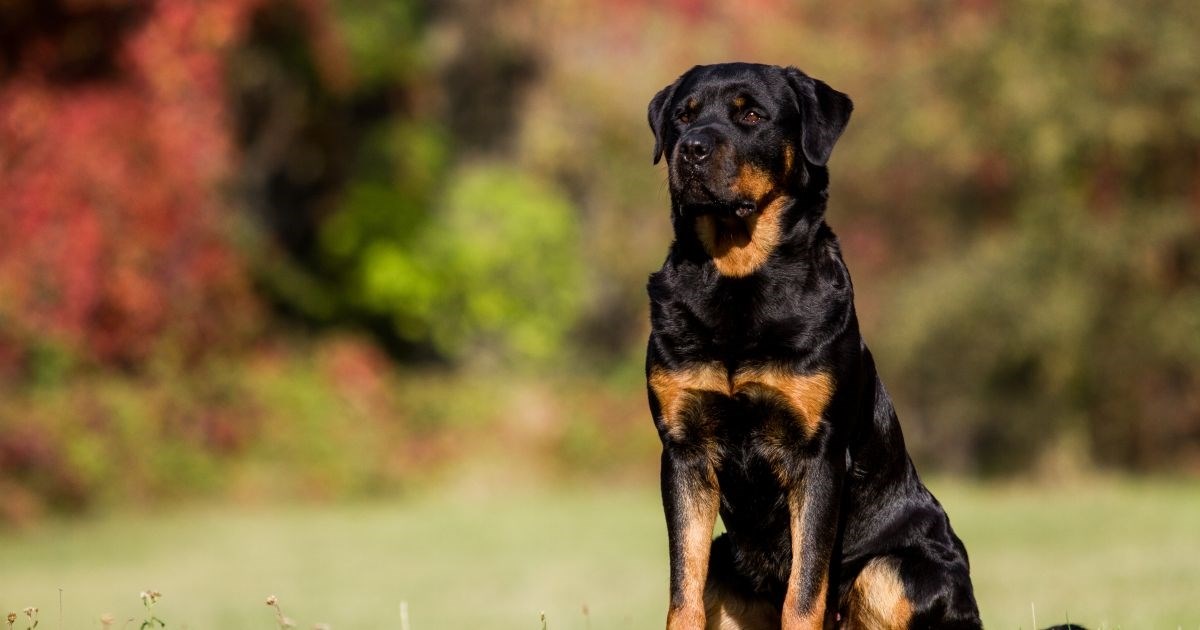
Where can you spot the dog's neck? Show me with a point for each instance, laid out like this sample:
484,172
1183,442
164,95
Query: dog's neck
740,245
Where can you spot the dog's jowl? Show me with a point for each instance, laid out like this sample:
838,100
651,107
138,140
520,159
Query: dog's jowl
766,399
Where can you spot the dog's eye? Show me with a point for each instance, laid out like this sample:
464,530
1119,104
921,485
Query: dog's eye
752,117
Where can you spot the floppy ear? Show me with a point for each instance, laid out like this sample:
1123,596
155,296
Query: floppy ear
824,113
657,113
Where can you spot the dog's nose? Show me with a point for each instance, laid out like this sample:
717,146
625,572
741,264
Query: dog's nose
696,148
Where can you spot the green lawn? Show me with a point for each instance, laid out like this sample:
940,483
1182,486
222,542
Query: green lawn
1115,555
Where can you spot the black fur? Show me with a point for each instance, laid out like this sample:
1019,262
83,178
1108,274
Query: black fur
862,496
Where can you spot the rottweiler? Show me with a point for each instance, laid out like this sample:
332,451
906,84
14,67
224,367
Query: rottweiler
766,399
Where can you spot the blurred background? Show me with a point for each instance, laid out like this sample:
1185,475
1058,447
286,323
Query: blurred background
303,284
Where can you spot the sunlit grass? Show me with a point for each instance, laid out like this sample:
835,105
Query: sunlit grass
1124,555
1108,555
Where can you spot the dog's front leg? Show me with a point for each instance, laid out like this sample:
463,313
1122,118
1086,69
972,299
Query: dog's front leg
681,402
813,509
690,500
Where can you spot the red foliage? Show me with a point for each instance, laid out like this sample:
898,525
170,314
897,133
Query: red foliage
113,233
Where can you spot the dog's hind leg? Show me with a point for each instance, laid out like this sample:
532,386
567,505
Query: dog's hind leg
894,593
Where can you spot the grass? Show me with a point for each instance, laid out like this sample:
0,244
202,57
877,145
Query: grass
1109,555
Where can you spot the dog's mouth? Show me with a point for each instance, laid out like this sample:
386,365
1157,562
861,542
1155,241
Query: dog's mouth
697,198
720,208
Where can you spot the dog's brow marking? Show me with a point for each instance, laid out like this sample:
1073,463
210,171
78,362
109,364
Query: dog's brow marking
739,102
806,395
739,249
674,387
877,598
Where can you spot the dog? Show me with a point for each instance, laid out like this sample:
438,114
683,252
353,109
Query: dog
767,401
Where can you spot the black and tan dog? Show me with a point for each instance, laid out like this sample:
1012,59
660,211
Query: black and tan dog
765,397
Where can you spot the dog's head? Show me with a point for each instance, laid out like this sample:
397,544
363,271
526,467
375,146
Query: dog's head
738,135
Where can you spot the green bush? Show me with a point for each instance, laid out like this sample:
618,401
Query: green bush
1040,340
494,269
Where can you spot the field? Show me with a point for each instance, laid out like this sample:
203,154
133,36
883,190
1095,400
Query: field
1105,554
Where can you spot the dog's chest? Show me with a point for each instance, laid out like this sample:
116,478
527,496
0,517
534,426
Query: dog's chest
736,323
758,356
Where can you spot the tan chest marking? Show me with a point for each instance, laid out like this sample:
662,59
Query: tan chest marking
740,246
675,388
806,395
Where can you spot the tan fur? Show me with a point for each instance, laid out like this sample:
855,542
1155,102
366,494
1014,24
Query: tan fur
806,395
689,614
685,619
877,600
796,617
740,246
754,183
730,611
673,389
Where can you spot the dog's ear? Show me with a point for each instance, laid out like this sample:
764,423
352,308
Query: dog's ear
660,117
824,113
